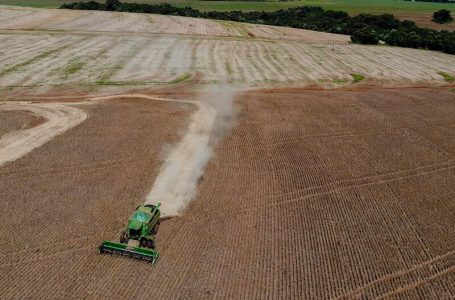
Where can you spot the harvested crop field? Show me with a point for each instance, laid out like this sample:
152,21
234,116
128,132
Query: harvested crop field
40,53
71,193
296,180
311,194
98,21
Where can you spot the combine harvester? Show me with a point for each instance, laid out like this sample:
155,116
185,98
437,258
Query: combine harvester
138,238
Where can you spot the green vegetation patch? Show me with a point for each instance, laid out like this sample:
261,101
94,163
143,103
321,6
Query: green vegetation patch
120,83
181,78
73,67
447,77
357,77
228,68
33,60
340,81
33,3
106,82
350,6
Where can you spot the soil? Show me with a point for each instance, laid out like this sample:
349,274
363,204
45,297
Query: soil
78,189
17,119
338,190
311,194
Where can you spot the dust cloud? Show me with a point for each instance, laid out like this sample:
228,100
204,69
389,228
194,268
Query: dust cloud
176,184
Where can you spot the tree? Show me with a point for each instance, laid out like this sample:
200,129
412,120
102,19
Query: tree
449,43
365,36
442,16
112,5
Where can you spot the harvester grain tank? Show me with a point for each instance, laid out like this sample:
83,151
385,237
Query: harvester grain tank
137,240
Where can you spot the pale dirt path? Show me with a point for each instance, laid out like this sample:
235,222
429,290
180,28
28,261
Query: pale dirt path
60,118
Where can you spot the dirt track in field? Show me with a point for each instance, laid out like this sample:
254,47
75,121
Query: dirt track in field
311,194
56,119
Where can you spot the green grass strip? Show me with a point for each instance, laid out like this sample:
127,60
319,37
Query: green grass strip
357,77
447,77
33,60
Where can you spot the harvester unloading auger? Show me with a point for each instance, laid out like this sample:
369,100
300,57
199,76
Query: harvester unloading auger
137,240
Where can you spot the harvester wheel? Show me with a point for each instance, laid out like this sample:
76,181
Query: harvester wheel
149,243
144,243
123,238
152,244
155,229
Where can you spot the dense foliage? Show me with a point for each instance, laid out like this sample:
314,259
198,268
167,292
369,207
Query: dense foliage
442,16
363,29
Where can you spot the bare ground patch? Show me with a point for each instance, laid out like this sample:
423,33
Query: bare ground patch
312,194
18,119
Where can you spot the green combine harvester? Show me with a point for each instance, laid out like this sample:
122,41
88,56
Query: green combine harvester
137,240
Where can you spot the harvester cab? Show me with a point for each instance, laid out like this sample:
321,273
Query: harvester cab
137,240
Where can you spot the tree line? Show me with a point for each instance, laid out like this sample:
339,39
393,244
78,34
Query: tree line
363,28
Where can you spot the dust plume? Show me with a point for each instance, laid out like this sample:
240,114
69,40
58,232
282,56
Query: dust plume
177,181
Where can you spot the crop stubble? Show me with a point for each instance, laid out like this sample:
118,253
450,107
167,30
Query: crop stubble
311,194
50,51
324,204
63,198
